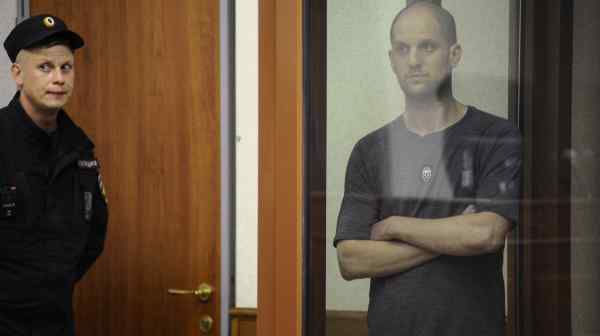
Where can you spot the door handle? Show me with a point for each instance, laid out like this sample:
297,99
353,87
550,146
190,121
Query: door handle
204,292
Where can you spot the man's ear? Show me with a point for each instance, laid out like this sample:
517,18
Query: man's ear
455,55
17,74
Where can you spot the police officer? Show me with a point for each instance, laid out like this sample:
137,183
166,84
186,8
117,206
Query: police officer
53,210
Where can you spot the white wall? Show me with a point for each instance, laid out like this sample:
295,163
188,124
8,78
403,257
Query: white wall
8,13
246,63
362,92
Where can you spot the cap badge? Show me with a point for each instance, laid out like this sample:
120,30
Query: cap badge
49,22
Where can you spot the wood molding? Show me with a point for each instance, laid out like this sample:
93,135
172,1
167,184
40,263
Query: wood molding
338,323
243,321
281,168
342,323
243,312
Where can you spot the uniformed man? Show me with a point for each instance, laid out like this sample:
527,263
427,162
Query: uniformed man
53,211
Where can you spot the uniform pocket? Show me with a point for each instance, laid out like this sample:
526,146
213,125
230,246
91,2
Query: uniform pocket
15,201
8,202
9,225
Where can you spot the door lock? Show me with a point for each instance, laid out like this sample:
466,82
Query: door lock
206,324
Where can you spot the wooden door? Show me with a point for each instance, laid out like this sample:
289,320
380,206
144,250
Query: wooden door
147,92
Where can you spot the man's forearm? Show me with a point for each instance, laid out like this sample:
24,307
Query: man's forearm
370,259
463,235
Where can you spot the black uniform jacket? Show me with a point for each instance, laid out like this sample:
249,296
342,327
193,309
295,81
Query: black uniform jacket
53,219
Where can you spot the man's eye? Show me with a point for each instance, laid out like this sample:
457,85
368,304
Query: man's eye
45,67
429,47
402,50
67,67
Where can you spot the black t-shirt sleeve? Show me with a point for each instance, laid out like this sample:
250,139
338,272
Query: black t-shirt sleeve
499,185
359,209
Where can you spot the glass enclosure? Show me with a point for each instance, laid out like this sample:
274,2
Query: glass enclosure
366,138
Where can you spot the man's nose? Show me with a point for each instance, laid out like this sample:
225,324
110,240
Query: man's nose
58,77
414,57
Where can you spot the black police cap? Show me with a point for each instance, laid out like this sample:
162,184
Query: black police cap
38,30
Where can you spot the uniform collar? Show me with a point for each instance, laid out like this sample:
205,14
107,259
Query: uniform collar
32,131
70,135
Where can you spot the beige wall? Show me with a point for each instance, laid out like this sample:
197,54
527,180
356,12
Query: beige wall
246,91
8,14
362,93
585,256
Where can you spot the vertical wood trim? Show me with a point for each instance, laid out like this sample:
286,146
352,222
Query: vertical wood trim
545,283
235,327
266,164
280,168
315,166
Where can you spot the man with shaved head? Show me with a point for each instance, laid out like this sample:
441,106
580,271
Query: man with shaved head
53,211
430,197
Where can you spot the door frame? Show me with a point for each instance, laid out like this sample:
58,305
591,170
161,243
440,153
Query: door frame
227,143
544,259
22,10
316,158
281,160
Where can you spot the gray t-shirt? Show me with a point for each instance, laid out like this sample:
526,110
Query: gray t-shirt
394,172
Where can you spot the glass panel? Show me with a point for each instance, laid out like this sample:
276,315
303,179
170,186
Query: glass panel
419,167
585,164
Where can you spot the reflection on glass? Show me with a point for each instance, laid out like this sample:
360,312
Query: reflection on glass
429,196
584,157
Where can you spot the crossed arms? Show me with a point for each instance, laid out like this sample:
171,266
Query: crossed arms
400,243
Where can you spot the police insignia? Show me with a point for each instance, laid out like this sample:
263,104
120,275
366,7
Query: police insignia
102,189
49,22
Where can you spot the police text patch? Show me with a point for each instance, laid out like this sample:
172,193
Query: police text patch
88,164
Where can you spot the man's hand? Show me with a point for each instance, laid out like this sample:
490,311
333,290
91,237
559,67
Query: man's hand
371,259
379,230
469,233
